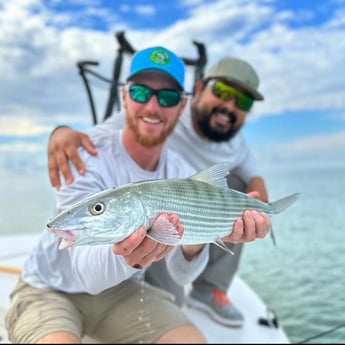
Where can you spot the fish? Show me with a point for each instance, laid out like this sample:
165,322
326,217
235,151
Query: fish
206,206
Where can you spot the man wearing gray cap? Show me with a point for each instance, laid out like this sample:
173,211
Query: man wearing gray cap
217,112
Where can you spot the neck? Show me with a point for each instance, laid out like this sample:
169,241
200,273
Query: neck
146,157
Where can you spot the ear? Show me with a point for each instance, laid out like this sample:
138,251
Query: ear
124,96
197,87
182,105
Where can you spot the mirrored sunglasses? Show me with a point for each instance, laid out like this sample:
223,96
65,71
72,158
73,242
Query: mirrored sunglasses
226,92
142,94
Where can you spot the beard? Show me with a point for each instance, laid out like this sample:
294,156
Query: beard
203,118
150,141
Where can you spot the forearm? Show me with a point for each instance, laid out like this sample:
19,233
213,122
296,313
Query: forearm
257,184
96,268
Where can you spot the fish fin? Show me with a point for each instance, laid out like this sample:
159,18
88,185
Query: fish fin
66,243
163,231
273,236
222,245
281,204
215,175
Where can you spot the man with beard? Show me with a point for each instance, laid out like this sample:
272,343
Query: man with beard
208,132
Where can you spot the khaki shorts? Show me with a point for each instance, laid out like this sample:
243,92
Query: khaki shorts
131,312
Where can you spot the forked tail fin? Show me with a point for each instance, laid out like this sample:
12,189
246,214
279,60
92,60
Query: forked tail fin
281,204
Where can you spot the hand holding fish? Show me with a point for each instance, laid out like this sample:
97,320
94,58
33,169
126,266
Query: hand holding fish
252,225
138,249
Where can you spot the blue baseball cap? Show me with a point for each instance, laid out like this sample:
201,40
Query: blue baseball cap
158,59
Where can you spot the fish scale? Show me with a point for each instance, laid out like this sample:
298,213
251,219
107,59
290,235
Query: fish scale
201,207
206,206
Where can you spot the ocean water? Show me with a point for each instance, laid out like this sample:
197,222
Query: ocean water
302,278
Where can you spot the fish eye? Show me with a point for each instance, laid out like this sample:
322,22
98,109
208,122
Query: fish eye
97,208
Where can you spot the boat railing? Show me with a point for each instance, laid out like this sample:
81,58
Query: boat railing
87,68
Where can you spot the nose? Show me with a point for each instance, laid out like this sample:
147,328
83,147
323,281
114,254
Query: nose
152,104
231,103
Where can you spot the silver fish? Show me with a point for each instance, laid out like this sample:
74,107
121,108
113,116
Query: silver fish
205,204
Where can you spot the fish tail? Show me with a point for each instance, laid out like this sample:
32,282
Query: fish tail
281,204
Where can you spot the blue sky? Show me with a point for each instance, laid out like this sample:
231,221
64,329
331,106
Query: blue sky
297,48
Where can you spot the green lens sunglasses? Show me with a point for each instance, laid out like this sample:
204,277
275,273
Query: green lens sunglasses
142,94
226,92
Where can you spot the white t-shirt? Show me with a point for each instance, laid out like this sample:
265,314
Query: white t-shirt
197,151
93,269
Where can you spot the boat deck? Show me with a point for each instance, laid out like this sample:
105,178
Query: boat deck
14,250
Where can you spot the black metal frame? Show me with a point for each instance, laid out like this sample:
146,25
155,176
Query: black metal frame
126,48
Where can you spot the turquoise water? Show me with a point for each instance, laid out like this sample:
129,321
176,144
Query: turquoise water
302,278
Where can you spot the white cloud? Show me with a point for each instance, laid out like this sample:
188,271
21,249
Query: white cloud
21,126
144,10
316,142
300,67
20,147
316,151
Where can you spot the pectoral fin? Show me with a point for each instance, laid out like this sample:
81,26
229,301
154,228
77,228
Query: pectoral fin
222,245
163,231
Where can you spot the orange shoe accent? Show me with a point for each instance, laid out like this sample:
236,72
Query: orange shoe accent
220,298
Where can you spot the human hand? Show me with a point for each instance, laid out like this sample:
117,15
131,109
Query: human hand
138,249
62,146
252,225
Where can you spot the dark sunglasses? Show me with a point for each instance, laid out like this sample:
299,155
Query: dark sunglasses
142,94
226,92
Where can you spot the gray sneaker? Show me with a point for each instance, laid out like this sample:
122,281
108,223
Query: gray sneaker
217,304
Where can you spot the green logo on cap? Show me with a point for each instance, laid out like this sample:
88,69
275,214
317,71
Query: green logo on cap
160,57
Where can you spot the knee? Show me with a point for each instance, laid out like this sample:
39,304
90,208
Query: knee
187,334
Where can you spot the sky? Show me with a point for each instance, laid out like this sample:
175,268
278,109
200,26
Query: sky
297,48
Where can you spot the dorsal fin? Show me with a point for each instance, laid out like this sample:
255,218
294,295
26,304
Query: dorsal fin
215,175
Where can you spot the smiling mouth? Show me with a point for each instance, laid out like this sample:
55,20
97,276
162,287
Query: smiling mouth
229,118
151,120
223,117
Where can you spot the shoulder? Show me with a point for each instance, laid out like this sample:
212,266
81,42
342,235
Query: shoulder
106,145
106,141
112,123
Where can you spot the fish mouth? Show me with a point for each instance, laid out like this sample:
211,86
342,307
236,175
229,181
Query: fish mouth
70,235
